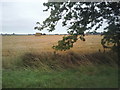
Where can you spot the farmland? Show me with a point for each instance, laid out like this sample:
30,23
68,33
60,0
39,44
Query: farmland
32,61
17,45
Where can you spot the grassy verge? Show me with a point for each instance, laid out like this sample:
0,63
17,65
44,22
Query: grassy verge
81,77
54,70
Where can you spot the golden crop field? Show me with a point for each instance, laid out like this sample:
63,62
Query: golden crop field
16,45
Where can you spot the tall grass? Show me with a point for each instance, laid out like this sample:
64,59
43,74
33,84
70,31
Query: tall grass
57,61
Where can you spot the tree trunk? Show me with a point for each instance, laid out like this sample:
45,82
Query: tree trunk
118,49
118,52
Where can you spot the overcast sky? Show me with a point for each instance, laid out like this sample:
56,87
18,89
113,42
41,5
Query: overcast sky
20,16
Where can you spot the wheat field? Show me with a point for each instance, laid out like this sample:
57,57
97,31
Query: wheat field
17,45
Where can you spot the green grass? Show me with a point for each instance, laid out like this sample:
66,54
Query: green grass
53,70
82,77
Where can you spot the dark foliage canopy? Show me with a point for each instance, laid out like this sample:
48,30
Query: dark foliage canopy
79,17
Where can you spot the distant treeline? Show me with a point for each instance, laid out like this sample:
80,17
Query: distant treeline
28,34
15,34
88,33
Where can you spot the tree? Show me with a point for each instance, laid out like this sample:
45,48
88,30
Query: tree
79,17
